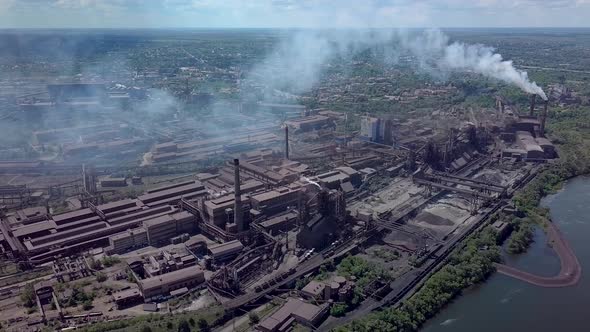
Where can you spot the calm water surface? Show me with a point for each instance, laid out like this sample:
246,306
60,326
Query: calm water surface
506,304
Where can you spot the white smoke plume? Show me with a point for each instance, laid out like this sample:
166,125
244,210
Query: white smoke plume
299,61
310,181
434,46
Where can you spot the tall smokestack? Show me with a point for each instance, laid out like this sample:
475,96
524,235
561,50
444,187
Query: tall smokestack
533,101
238,213
545,107
287,142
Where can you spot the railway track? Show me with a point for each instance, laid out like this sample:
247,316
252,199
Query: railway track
396,297
433,267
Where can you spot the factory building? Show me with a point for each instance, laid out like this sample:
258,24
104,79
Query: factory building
355,176
163,228
166,262
267,176
172,195
204,148
527,142
114,146
281,108
162,285
308,123
369,128
60,93
527,123
280,223
225,251
377,130
220,211
294,311
126,298
71,134
524,146
42,236
128,240
276,201
547,146
316,290
342,178
113,182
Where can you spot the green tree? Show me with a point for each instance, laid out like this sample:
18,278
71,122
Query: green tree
467,266
254,318
109,261
28,296
338,310
87,305
146,328
183,326
203,325
520,240
101,277
94,264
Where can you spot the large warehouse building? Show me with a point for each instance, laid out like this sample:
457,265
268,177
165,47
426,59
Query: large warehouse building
120,226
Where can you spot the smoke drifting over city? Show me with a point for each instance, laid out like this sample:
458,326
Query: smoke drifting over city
299,61
478,58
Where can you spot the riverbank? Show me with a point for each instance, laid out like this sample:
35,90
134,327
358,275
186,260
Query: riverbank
568,128
570,271
505,303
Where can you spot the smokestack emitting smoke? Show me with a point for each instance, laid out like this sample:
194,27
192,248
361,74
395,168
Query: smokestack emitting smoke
238,213
298,63
480,59
533,102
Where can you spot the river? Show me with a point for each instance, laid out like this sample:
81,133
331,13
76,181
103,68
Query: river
506,304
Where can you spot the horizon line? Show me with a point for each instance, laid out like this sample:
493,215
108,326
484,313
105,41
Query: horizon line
283,28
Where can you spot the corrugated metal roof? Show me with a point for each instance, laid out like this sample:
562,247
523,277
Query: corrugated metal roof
158,221
193,272
34,228
71,215
227,247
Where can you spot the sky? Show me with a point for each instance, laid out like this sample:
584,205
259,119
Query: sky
292,13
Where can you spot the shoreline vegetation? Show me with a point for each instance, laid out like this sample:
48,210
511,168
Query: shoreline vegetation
570,131
472,264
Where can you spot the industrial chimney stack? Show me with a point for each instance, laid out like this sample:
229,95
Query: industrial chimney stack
286,142
544,119
238,212
533,101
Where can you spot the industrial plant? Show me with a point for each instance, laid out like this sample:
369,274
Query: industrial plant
280,192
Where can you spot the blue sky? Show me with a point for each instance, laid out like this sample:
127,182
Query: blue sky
293,13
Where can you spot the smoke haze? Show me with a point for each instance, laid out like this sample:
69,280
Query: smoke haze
299,61
478,58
